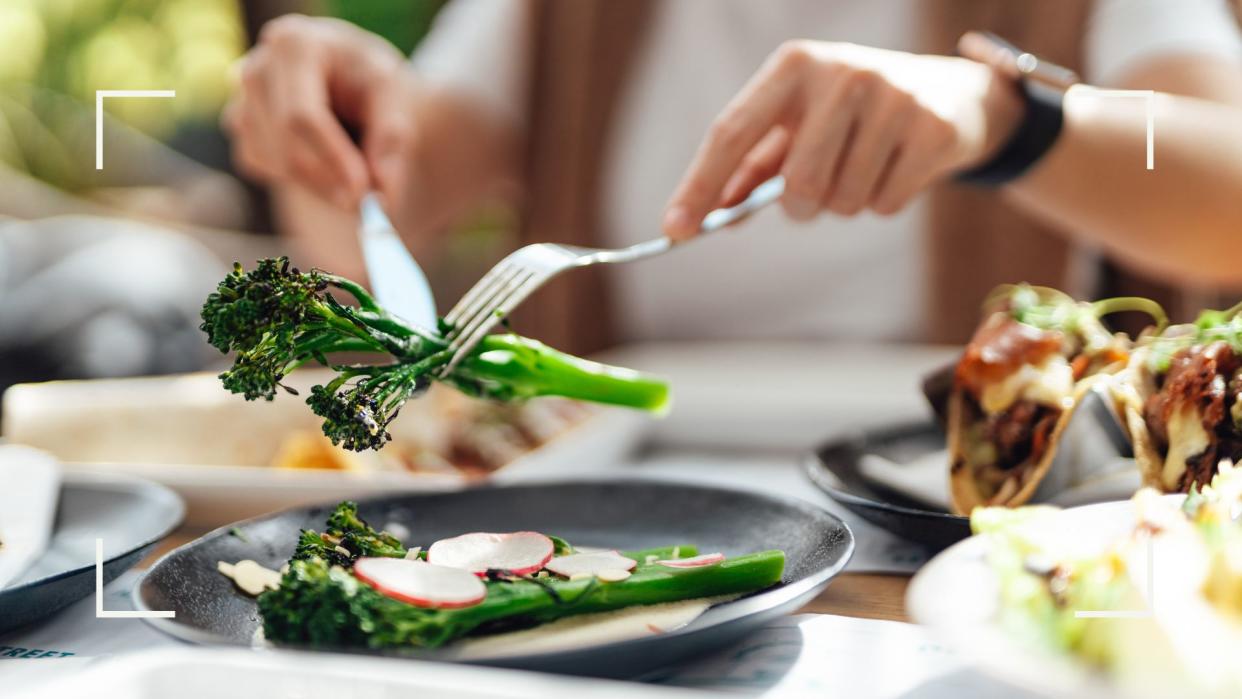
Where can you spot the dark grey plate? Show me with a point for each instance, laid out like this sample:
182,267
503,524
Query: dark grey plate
129,514
624,514
834,468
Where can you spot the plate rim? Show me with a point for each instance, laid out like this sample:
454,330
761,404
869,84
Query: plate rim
135,485
786,593
819,473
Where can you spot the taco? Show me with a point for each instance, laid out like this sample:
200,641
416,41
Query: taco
1180,395
1026,369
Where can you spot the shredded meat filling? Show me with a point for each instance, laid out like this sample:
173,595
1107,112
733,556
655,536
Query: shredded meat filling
1199,376
1000,346
1021,433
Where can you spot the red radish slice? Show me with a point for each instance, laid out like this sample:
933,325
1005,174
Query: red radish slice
707,559
478,552
591,564
421,584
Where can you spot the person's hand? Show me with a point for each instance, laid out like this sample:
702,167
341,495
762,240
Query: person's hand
306,76
850,128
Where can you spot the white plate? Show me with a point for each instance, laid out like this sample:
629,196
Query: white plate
957,596
29,487
210,447
128,516
200,673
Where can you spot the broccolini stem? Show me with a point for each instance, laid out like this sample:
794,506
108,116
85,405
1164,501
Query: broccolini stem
511,366
365,300
1139,304
526,602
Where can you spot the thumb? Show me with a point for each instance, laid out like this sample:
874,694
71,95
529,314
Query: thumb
389,149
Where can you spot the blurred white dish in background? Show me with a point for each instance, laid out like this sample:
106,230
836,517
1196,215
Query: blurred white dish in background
782,395
29,489
231,459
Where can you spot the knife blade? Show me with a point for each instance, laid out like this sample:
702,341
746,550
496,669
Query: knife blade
397,281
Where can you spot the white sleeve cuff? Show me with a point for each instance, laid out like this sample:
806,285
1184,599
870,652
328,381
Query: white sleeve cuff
1123,34
476,47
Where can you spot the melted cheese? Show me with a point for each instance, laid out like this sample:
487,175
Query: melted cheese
1187,439
1049,383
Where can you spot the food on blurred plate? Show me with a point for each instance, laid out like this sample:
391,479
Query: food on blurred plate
1017,385
1182,563
1180,396
276,319
353,586
473,437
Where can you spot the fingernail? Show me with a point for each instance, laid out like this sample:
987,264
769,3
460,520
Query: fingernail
677,222
799,208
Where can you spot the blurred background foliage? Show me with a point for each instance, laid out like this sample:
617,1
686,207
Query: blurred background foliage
54,55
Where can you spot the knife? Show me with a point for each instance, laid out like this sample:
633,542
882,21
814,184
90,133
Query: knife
396,279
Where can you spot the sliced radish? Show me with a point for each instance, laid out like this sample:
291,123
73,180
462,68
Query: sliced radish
707,559
421,584
587,564
592,549
479,552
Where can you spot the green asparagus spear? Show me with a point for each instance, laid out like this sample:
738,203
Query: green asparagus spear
321,603
324,605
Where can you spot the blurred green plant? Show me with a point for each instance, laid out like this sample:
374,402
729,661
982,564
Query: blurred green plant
56,53
403,22
75,47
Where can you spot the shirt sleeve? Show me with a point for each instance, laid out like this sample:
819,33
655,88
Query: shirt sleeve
477,47
1123,34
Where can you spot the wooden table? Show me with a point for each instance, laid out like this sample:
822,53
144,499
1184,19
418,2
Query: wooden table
864,595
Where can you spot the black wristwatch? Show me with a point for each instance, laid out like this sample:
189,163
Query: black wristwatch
1042,85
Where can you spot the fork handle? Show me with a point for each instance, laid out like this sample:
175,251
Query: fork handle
767,192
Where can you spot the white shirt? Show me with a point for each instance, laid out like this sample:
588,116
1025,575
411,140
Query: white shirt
771,278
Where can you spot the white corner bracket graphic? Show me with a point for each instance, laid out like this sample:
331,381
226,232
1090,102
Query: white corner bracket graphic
99,98
1149,99
100,613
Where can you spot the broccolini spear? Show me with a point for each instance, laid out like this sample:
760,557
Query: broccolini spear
276,318
322,604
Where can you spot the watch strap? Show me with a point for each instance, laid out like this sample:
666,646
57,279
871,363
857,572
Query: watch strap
1041,125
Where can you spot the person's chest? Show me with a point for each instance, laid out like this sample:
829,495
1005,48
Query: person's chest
832,277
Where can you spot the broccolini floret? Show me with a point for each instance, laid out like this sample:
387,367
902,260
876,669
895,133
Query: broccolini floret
276,318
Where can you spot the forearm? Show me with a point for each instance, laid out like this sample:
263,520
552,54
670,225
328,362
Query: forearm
1179,221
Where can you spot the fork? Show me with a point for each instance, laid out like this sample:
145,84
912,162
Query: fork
526,269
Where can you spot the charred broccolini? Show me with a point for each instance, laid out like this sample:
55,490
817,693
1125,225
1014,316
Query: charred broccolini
321,602
276,318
